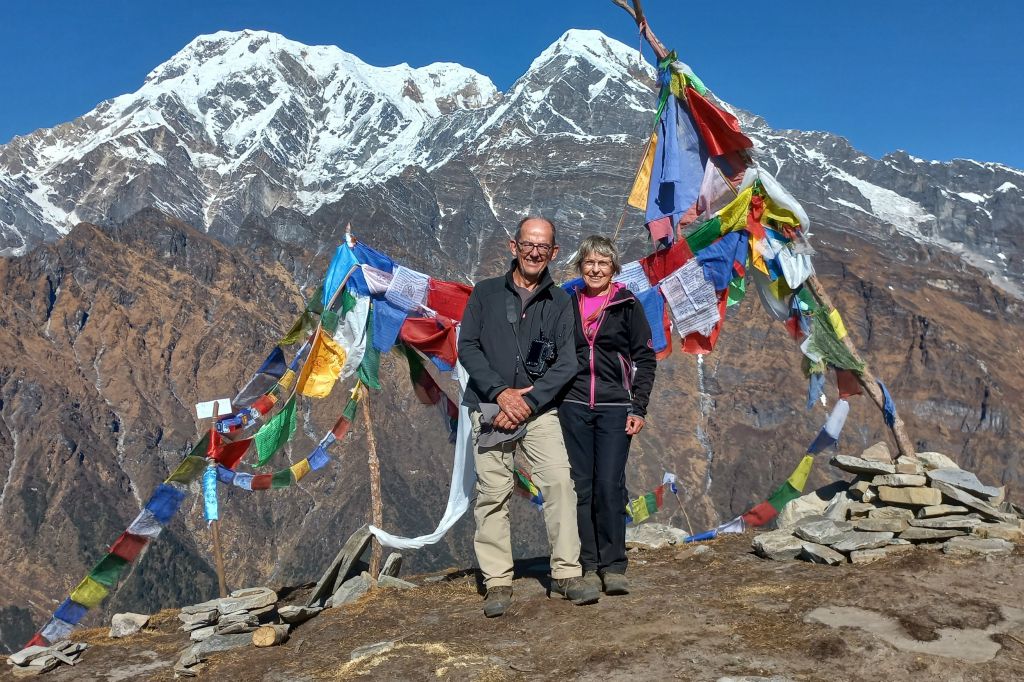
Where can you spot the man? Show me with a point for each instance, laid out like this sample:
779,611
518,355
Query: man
518,347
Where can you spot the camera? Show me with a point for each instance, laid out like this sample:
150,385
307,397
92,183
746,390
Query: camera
542,354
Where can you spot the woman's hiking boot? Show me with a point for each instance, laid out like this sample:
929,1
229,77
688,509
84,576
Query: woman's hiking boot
592,579
498,599
615,583
576,590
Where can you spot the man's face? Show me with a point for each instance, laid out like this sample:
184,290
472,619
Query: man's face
534,248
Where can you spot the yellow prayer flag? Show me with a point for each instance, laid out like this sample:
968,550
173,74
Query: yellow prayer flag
642,183
798,479
780,289
780,215
638,508
300,469
837,323
89,593
286,379
757,258
190,469
322,368
734,215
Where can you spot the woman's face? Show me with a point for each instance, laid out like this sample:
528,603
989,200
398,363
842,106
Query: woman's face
596,271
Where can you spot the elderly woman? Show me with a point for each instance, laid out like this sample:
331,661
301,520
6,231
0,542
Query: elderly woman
605,408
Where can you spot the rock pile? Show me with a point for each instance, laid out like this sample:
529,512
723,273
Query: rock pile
891,506
36,660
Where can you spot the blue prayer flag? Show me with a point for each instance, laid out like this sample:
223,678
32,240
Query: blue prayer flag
318,459
165,502
70,611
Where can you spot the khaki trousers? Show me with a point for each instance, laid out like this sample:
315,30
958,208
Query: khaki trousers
544,450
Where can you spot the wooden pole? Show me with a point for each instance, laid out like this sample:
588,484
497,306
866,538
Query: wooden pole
866,378
218,558
376,508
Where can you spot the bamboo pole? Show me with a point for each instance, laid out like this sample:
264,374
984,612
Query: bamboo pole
376,509
218,558
866,378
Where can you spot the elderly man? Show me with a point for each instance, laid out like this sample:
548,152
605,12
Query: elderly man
518,347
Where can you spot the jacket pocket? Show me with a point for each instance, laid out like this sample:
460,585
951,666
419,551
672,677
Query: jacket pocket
626,370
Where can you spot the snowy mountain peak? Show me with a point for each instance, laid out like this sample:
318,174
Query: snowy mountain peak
594,47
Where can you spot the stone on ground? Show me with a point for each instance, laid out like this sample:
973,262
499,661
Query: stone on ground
124,624
965,480
351,590
867,556
386,581
940,510
899,480
930,534
392,565
967,545
960,521
247,599
891,513
1002,531
779,545
855,539
293,615
876,525
968,500
653,535
820,554
909,465
879,452
822,532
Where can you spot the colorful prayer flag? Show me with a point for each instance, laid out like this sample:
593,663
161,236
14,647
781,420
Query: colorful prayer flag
164,502
300,469
70,612
89,593
275,433
108,570
128,546
322,368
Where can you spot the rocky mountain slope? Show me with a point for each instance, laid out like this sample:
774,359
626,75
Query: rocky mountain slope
246,153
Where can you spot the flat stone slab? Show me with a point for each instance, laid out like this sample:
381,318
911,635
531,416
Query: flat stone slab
293,615
247,599
1003,531
654,535
859,510
867,556
197,608
961,521
351,590
899,480
930,534
27,654
339,570
936,460
779,545
387,581
202,633
822,532
392,565
940,510
198,618
968,545
856,539
965,480
820,554
891,513
858,465
920,497
968,500
801,508
879,452
877,525
221,643
124,624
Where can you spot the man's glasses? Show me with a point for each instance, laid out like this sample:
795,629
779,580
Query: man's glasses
525,248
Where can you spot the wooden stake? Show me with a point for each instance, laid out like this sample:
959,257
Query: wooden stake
218,558
376,509
866,378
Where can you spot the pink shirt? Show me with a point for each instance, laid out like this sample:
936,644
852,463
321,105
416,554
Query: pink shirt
593,306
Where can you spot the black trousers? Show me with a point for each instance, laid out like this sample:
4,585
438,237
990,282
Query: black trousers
598,446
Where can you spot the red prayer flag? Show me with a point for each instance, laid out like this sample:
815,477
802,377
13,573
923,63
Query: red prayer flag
448,298
231,454
793,327
660,228
848,383
341,427
719,129
664,262
264,404
760,515
666,323
754,226
128,546
37,640
433,336
213,444
262,482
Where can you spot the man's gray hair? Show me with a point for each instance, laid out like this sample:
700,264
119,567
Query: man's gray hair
549,221
596,245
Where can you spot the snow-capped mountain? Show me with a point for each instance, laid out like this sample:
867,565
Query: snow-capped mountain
250,125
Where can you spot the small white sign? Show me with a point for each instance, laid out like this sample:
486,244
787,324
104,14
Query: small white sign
220,407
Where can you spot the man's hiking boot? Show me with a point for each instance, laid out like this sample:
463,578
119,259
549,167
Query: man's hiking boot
592,579
498,599
615,583
576,590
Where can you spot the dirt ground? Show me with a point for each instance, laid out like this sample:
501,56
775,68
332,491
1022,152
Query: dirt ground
723,613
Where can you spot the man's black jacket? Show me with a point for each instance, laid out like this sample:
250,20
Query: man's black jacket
488,347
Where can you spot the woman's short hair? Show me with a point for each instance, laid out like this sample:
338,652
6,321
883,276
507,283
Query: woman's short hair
598,246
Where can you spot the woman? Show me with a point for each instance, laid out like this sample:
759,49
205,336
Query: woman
605,408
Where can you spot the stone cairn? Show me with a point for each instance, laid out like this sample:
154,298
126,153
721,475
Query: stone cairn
36,660
891,507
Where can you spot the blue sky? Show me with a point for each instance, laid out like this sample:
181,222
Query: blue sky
940,79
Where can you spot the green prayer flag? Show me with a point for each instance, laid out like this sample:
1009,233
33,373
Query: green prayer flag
108,570
705,234
299,329
191,467
329,322
202,446
825,343
275,433
737,290
315,304
369,368
348,302
652,503
807,298
349,412
282,479
785,494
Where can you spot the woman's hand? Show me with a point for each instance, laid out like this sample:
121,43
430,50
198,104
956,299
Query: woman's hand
634,424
